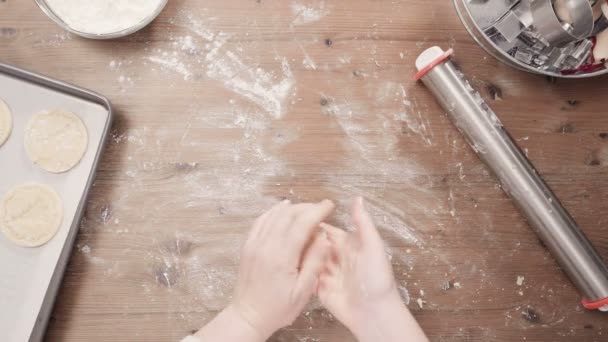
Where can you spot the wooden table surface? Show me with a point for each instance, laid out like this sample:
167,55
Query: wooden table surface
224,107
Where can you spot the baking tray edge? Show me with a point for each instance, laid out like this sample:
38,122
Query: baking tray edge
42,320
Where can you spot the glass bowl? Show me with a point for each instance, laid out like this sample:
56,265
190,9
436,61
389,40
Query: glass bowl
118,34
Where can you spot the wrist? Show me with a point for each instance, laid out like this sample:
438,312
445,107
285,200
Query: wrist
235,324
386,319
246,323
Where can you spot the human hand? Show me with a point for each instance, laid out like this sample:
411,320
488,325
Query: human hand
358,286
280,265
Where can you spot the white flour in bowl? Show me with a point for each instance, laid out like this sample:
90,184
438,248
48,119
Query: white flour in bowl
103,16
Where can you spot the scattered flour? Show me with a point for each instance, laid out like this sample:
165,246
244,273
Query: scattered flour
520,280
373,145
307,339
405,295
186,44
197,26
256,84
420,302
247,170
208,50
372,141
132,136
85,249
105,215
387,216
308,13
125,79
460,168
56,39
451,203
309,63
170,62
415,123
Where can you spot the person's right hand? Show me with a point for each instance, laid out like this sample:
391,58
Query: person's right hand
280,265
358,286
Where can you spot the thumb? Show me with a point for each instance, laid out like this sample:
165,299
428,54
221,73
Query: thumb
312,265
366,230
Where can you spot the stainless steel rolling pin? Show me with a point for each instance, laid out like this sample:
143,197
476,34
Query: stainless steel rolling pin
519,179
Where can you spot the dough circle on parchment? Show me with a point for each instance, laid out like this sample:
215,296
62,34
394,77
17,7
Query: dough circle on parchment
31,214
56,140
6,122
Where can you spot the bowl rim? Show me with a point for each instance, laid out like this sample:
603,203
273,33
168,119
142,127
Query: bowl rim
103,36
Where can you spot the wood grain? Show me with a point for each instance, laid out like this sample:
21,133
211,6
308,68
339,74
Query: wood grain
191,162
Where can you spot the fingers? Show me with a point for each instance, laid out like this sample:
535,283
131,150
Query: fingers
290,228
276,219
325,281
282,216
334,235
312,265
259,226
337,238
306,223
261,221
366,230
332,265
299,208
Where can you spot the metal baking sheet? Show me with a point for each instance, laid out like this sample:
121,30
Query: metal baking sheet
30,277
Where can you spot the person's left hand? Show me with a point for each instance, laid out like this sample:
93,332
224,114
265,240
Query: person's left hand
280,265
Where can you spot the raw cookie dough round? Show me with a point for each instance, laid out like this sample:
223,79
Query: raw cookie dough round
56,140
6,122
31,214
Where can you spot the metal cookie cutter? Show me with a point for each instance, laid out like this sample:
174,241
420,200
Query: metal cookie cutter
560,22
520,180
550,37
